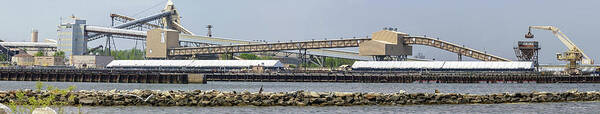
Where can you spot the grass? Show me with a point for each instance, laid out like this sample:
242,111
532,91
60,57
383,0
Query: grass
26,104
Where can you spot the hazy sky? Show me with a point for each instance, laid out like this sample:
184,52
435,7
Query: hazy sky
488,25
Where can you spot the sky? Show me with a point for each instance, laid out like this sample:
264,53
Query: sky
493,26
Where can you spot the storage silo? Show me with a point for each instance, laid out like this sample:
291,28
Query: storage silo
34,35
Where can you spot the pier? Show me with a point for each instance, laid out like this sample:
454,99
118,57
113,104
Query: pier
97,75
199,76
404,77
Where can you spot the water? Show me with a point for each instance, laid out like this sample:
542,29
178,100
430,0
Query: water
480,88
541,108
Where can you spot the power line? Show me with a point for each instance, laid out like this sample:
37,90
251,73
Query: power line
160,2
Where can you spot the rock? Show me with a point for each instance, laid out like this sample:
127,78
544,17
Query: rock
372,96
572,91
296,98
3,94
343,94
312,94
87,101
46,110
4,109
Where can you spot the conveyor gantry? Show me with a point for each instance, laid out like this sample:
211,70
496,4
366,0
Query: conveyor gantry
129,24
451,47
411,40
267,47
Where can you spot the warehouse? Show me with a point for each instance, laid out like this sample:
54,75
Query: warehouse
194,64
30,47
442,66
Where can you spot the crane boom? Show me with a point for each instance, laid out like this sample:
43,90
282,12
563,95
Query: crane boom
566,41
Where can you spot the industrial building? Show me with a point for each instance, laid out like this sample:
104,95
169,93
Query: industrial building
30,47
90,61
167,40
70,36
13,48
49,61
443,66
195,64
23,59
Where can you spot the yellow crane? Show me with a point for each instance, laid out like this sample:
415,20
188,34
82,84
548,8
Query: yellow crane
574,55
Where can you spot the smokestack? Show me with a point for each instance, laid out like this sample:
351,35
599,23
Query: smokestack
34,35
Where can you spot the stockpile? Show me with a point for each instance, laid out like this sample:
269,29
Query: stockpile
296,98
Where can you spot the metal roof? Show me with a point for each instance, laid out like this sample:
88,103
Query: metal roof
441,65
194,63
398,64
28,44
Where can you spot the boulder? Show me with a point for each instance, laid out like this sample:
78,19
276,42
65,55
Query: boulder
4,109
45,110
87,100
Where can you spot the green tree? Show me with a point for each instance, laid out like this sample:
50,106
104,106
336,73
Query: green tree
39,54
59,54
255,57
130,54
3,57
249,56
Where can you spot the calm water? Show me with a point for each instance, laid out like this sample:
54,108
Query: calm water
481,88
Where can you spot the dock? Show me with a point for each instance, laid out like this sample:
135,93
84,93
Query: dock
196,76
407,77
97,75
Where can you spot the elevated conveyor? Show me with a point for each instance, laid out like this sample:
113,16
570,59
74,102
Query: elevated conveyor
125,19
115,31
144,20
318,52
316,47
451,47
267,47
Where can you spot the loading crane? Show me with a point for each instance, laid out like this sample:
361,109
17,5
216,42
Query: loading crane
574,55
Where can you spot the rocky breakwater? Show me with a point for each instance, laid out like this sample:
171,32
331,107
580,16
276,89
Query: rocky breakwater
296,98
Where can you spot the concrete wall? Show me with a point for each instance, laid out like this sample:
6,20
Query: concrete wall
49,61
196,78
23,61
158,41
90,61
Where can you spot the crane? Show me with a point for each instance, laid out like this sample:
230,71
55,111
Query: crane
573,55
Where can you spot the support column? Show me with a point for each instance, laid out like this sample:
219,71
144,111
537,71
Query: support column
108,46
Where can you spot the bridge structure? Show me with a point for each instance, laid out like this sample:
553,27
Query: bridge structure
461,50
342,43
386,44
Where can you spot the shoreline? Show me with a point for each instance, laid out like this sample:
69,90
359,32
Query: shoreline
296,98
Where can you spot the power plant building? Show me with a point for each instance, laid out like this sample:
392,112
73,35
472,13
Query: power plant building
71,38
